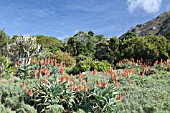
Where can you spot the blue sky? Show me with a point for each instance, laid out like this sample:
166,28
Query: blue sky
63,18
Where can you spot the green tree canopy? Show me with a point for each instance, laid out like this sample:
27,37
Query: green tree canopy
4,40
82,43
50,44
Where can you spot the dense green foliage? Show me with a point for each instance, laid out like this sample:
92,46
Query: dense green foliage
89,65
12,98
4,39
64,57
150,48
152,96
168,35
82,43
50,44
6,67
84,46
113,49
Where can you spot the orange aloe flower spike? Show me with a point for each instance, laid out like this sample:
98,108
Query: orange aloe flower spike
71,86
95,72
26,90
77,88
120,97
62,78
116,83
143,75
98,83
85,88
30,93
104,84
67,78
44,80
23,85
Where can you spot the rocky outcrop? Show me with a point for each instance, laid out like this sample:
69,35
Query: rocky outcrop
158,26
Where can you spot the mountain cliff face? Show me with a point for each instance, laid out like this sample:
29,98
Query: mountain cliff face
158,26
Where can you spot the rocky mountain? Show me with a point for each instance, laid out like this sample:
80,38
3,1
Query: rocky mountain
157,26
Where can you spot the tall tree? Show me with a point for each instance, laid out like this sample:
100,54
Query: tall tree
4,40
50,44
82,43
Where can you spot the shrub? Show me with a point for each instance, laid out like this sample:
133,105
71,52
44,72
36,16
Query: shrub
150,96
11,96
65,58
89,65
55,109
3,109
24,108
6,67
80,58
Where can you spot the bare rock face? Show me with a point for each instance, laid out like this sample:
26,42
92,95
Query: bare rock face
157,26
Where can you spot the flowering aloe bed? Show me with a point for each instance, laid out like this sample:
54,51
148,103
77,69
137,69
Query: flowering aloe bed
44,86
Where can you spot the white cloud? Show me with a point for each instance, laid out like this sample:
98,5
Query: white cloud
150,6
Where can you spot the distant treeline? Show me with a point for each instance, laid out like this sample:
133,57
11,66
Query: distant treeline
87,45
